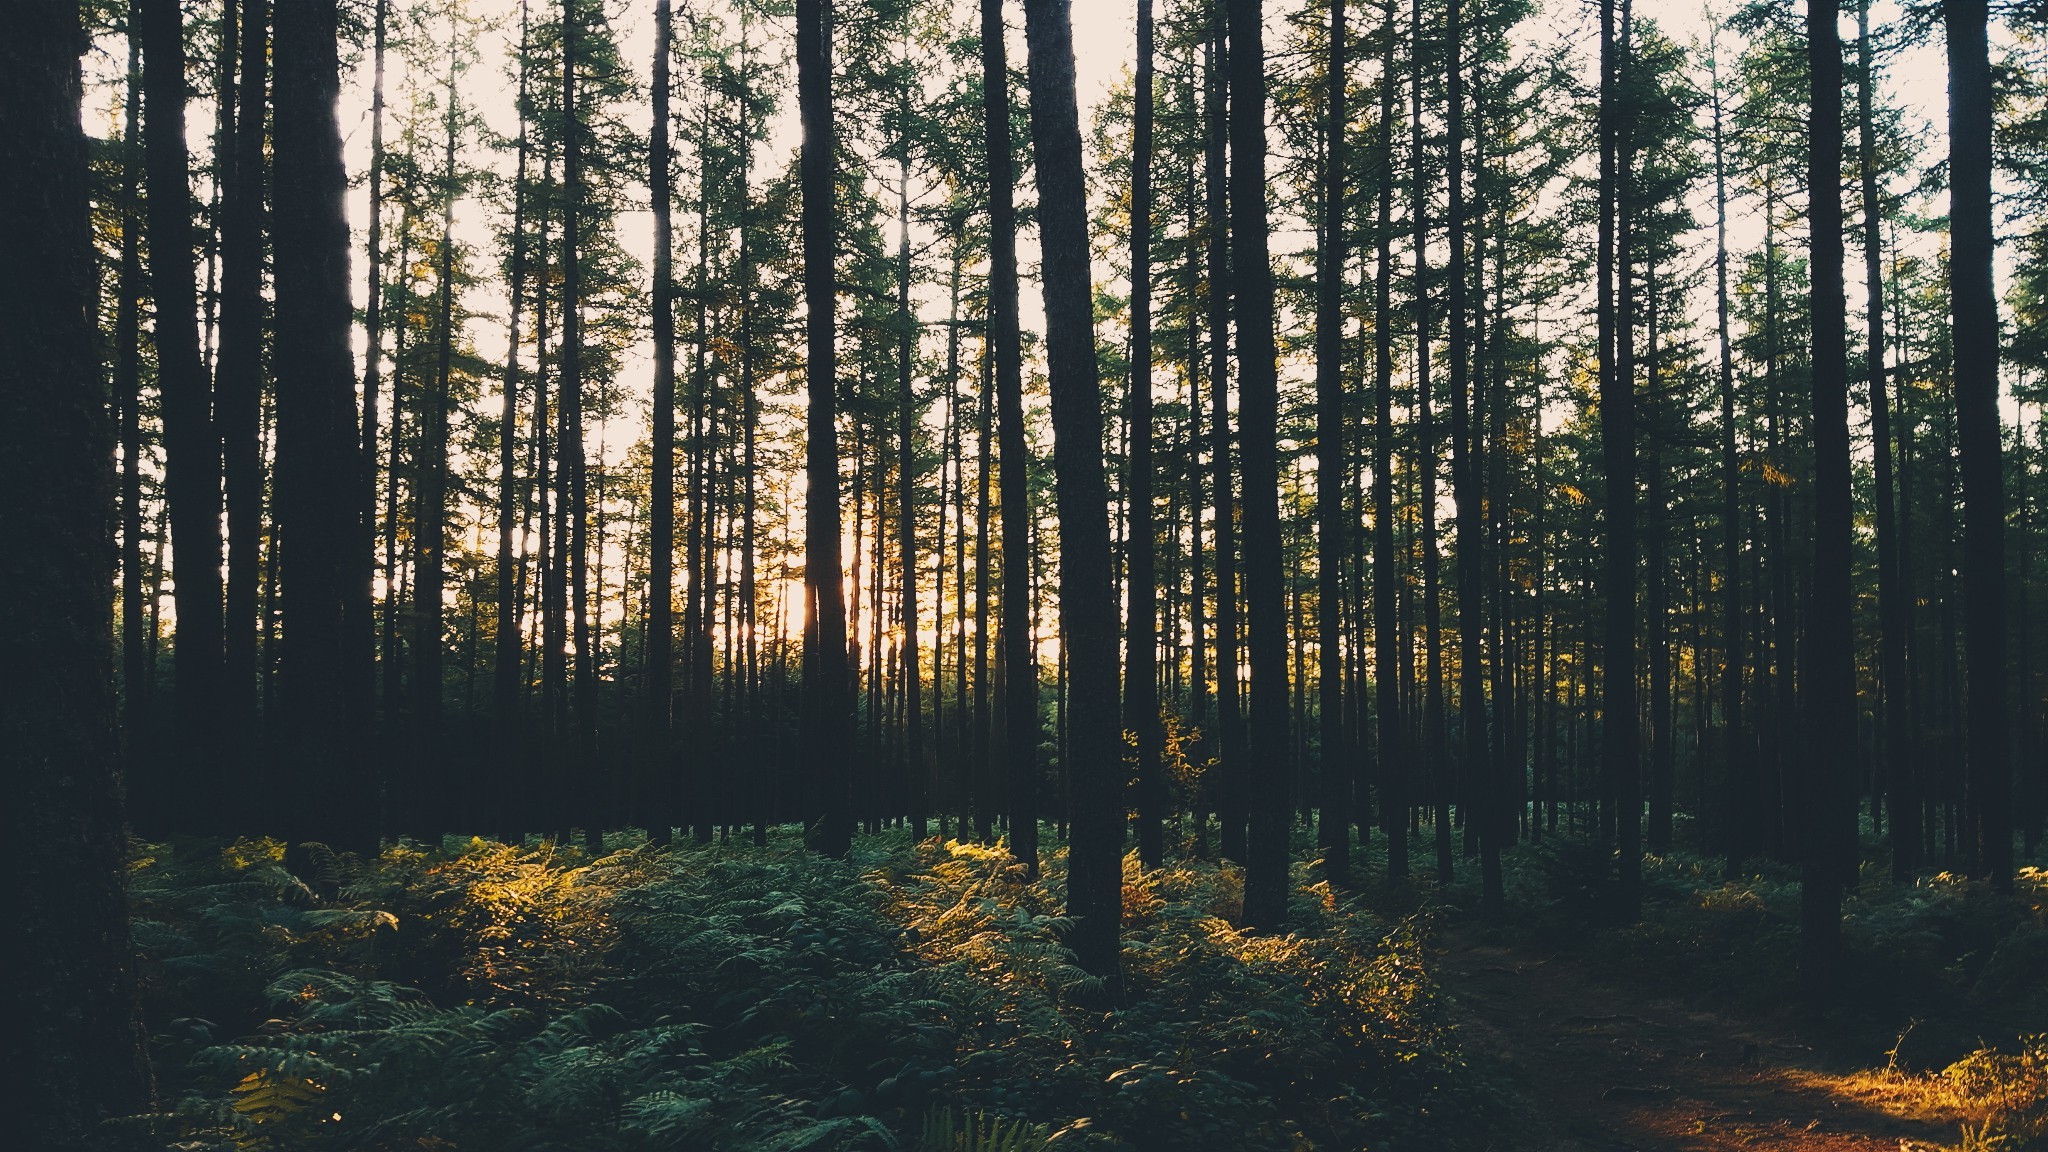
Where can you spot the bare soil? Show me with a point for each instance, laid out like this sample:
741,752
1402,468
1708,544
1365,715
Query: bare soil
1595,1062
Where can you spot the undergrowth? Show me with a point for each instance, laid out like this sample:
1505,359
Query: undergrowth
918,998
1945,983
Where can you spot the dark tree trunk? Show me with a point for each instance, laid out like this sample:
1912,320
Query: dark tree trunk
827,736
1093,759
1465,484
1228,787
1899,768
430,518
509,650
324,675
138,655
1265,905
77,1053
1394,766
1141,645
238,399
1619,740
1019,675
916,774
1433,735
1828,674
1740,839
575,479
661,524
1332,473
192,455
1974,312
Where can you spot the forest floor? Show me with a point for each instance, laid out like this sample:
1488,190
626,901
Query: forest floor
1589,1058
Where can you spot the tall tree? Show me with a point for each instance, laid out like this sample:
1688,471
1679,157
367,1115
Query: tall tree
1332,468
324,668
1828,677
192,464
827,716
1258,390
575,478
1973,309
1019,673
510,651
238,375
1740,811
1394,768
1619,748
1899,766
430,472
1141,611
1093,759
78,1052
661,520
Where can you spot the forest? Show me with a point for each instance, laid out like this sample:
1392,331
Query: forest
951,576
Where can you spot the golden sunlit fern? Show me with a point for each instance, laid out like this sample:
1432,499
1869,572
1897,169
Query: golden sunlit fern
972,1130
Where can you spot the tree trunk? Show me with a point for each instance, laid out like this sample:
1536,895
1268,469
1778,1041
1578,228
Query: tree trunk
1974,312
78,1053
658,694
1141,644
1394,767
1266,884
1228,788
1332,474
1093,760
827,742
1899,768
324,675
1019,673
1828,675
238,400
192,455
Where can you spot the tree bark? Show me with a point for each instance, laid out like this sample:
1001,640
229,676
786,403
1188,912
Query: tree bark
1141,644
78,1054
1094,753
1974,312
1332,474
192,455
827,735
324,675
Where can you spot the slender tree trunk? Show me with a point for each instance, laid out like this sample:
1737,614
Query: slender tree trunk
1141,643
916,774
1394,767
1974,312
1093,759
238,400
1332,473
1828,674
507,654
1266,886
1740,840
1618,464
192,455
430,520
1899,768
1467,498
661,531
1229,788
78,1050
323,671
1020,671
138,666
575,476
828,821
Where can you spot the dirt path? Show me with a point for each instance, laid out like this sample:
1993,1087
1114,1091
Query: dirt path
1602,1066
